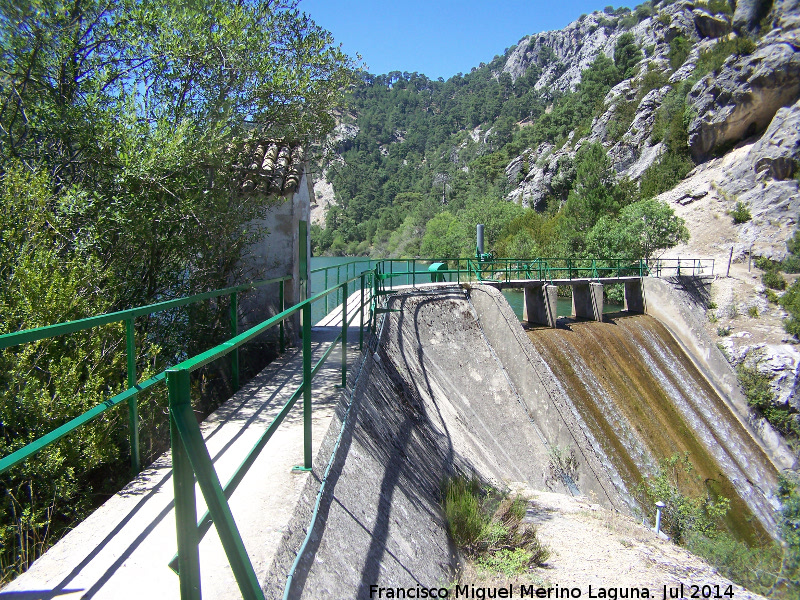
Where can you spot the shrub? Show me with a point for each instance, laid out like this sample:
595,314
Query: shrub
791,302
753,312
772,297
758,391
679,50
773,279
723,331
488,526
683,516
740,213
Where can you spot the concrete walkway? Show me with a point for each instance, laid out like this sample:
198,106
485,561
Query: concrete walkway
123,549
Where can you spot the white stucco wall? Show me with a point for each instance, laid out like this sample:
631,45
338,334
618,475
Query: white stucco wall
277,254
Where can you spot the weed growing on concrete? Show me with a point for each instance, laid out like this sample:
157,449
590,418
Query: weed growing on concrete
487,525
562,466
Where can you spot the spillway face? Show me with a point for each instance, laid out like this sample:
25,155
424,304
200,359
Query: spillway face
644,400
455,385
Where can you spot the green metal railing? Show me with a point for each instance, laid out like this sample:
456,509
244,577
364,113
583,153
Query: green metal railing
134,387
326,274
191,458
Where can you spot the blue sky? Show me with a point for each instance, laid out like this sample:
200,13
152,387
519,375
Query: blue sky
438,37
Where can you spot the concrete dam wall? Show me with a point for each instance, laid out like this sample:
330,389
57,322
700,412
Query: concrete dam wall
455,384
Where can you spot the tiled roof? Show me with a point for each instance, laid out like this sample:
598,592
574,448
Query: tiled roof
270,167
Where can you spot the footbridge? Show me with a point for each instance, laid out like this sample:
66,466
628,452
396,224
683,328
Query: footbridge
243,472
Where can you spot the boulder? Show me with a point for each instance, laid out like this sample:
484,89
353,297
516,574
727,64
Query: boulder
710,26
742,99
748,13
787,14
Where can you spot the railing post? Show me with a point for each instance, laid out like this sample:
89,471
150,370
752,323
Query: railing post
185,501
133,408
234,333
281,308
361,318
326,295
344,334
307,458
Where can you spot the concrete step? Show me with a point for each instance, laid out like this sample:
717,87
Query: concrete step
123,549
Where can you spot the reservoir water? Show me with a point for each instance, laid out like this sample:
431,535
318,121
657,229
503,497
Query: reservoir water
337,271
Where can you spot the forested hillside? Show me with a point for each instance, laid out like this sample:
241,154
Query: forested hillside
561,131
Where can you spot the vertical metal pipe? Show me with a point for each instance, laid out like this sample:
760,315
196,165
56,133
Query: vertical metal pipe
659,506
133,408
185,501
234,332
326,287
282,307
361,318
307,462
479,244
344,334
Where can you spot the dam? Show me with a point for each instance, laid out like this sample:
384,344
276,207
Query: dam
448,382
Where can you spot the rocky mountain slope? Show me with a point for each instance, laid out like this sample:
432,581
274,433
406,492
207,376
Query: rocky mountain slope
713,105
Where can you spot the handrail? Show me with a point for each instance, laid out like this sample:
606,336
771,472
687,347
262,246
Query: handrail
190,456
17,338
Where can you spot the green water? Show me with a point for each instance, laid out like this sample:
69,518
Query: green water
339,269
516,298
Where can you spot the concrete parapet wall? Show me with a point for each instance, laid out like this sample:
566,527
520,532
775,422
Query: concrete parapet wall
540,304
587,301
634,298
673,301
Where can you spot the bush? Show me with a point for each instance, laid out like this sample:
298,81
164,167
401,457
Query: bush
741,213
758,391
683,516
723,331
665,174
488,526
773,279
791,302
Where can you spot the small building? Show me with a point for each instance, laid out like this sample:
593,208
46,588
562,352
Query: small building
276,171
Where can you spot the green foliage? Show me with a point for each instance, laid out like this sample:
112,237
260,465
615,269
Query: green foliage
719,7
679,49
488,526
683,516
121,128
740,213
758,391
753,312
627,55
44,384
665,174
624,114
641,230
711,60
773,280
653,79
723,331
791,302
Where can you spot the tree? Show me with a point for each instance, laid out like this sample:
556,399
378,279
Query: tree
120,123
640,231
627,55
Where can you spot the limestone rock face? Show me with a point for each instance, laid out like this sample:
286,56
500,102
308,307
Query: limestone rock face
787,14
742,99
748,13
710,26
564,54
764,181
